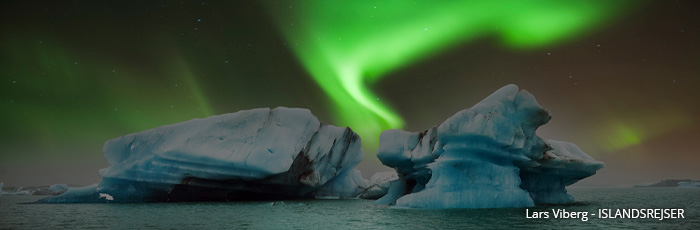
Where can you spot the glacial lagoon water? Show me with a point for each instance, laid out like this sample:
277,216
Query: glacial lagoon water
348,214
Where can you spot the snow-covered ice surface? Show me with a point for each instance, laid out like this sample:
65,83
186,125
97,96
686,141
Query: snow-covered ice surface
251,154
487,156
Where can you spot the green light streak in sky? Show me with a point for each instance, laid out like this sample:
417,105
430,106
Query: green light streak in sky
346,45
621,130
196,90
60,99
624,136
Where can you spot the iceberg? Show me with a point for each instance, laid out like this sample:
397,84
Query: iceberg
348,184
252,154
689,184
379,185
18,190
56,189
408,153
59,188
671,183
561,165
487,156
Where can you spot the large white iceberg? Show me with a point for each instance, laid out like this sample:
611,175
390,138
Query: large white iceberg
487,156
252,154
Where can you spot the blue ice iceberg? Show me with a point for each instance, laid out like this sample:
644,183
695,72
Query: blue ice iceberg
252,154
409,154
561,165
379,185
348,184
487,156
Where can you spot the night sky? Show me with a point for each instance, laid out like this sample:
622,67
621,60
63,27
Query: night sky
620,78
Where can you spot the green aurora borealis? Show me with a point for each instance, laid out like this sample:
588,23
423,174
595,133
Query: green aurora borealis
345,46
619,77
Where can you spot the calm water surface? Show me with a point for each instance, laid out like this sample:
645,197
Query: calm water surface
346,214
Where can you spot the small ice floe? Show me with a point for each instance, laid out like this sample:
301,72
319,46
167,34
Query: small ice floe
693,184
106,196
277,203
